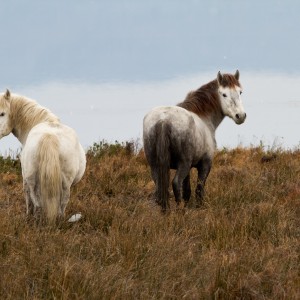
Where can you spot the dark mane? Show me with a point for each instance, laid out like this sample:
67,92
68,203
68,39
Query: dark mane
205,100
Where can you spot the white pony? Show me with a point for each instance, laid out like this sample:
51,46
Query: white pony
52,158
182,137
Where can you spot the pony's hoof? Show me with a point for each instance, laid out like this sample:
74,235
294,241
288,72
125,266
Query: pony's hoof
75,218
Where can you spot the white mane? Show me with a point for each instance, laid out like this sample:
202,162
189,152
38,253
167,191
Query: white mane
26,113
23,114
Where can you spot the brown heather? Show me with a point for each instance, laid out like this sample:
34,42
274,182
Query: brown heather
243,244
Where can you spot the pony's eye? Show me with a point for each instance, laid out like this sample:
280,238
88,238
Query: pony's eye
224,95
2,114
241,92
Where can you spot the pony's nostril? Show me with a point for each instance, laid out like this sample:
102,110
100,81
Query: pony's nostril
245,115
237,116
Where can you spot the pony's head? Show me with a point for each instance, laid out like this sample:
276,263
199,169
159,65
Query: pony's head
5,124
230,91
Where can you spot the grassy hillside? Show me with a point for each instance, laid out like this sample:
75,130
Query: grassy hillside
243,243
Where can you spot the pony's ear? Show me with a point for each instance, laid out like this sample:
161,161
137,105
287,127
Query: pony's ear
220,78
7,94
237,75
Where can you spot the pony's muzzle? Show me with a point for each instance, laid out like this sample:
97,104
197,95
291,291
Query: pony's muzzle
240,118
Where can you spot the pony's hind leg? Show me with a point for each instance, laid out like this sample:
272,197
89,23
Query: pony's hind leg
64,199
161,194
186,189
203,168
154,176
32,195
177,183
29,204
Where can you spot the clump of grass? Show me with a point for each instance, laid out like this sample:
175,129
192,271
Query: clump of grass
104,148
10,164
242,244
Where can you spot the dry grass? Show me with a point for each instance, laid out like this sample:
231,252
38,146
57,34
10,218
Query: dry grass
243,244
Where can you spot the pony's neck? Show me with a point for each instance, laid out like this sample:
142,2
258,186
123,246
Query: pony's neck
214,120
25,114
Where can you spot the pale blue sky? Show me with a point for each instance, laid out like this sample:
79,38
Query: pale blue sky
136,40
101,65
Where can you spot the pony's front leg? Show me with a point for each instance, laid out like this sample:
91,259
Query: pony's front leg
203,168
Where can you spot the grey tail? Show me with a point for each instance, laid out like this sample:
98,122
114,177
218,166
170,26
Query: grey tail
163,163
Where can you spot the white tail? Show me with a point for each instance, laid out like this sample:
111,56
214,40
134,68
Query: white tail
50,176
